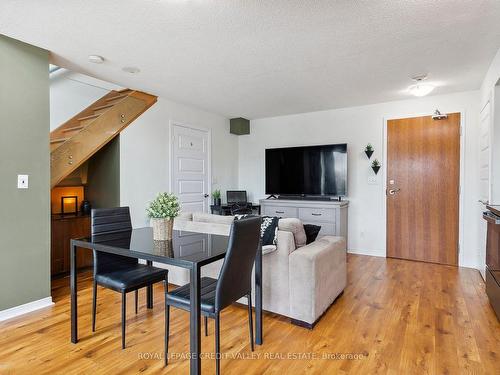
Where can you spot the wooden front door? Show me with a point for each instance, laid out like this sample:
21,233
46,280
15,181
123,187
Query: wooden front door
423,169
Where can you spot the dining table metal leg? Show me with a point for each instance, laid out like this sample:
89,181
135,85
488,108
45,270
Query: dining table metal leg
149,291
194,321
74,293
258,296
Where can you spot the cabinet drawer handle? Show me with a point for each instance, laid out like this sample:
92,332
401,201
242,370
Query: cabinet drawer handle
315,214
280,212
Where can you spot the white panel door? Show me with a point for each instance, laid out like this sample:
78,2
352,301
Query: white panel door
190,167
484,181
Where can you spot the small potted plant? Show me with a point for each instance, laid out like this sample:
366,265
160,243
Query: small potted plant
216,196
375,166
162,211
369,150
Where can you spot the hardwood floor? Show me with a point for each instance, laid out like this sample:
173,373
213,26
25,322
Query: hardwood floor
395,317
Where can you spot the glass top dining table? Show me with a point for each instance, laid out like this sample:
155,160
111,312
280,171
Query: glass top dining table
190,250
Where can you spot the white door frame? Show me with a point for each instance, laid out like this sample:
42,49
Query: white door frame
494,100
461,200
171,126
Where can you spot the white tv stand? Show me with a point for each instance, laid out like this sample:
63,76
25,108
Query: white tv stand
330,215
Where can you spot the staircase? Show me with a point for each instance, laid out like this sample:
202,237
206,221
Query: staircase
75,141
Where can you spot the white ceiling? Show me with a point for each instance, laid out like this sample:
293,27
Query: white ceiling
258,58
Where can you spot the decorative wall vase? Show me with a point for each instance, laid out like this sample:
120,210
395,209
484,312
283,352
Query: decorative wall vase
376,169
369,153
162,228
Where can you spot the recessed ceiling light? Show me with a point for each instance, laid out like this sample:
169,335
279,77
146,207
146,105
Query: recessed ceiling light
420,88
131,69
96,59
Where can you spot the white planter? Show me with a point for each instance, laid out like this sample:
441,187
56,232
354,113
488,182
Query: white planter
162,228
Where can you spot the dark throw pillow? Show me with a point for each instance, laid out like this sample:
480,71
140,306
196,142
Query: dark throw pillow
311,232
268,229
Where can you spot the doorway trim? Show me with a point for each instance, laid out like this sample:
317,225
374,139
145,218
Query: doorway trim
461,200
171,125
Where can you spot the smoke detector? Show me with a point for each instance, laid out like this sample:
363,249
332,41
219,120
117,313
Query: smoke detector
96,59
420,88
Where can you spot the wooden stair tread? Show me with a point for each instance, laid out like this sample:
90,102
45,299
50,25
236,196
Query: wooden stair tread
102,107
88,117
67,130
121,96
58,140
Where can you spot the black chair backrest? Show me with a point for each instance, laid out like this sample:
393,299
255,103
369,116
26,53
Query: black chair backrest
111,224
236,197
235,278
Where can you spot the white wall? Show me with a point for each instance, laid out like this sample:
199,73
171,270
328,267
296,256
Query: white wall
144,147
490,79
358,126
144,150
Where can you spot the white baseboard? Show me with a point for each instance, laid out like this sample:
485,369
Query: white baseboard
373,253
26,308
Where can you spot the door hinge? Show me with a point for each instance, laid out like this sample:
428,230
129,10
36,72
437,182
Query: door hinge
461,131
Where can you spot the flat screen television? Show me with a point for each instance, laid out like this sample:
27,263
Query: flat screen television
307,171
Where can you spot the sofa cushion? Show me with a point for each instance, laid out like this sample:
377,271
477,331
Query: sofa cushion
209,218
296,227
268,249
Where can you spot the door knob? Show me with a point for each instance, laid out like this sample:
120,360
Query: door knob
206,195
393,191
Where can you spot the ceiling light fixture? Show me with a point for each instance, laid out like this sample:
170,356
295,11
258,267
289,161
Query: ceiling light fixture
131,69
96,59
420,88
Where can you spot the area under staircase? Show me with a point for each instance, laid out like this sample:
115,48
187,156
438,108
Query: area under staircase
75,141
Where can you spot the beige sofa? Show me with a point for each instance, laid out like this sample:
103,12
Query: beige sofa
299,281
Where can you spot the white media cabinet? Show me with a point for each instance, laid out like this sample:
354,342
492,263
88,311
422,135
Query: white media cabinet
330,215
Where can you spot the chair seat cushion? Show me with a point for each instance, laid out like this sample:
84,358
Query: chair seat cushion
131,278
180,296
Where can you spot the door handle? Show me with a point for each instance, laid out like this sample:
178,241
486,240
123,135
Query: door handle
486,202
206,195
393,191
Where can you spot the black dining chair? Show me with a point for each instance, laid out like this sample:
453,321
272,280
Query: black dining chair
233,283
119,273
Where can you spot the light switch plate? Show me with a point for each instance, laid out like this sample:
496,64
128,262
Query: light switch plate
372,180
22,181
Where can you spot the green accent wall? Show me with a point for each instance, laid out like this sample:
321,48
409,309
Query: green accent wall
24,149
103,182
